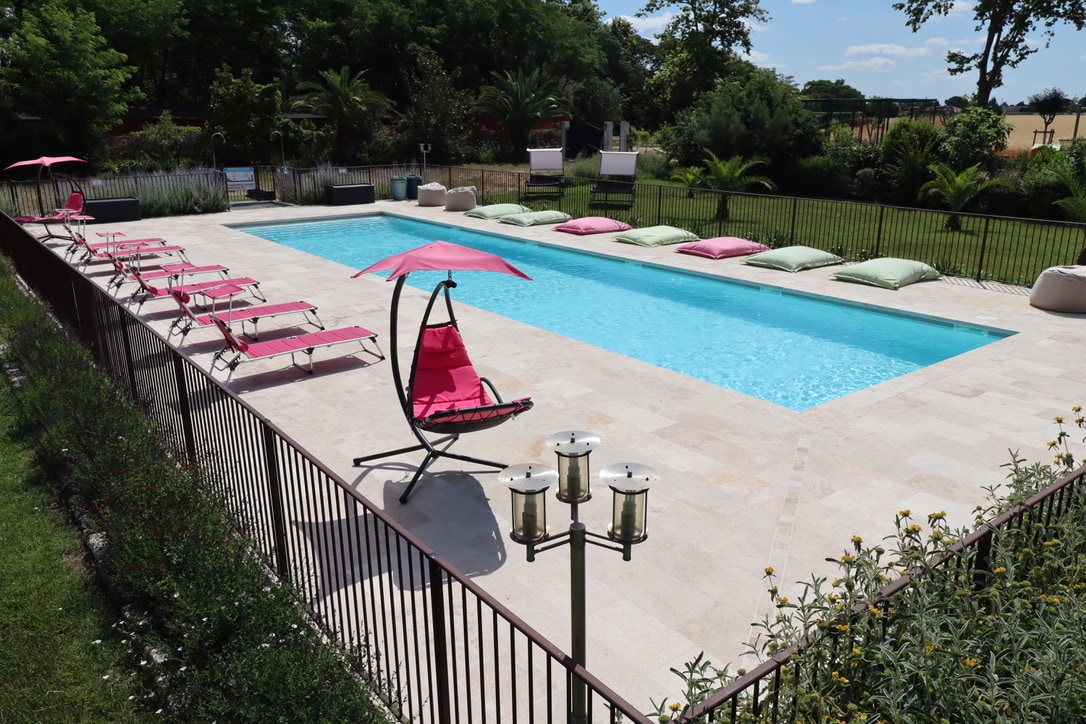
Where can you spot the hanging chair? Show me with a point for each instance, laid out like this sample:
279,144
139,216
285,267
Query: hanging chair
444,396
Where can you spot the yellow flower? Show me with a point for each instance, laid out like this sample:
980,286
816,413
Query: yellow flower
1053,542
970,663
1058,419
874,610
914,528
999,570
937,516
1076,408
842,627
847,558
857,540
675,706
769,570
904,513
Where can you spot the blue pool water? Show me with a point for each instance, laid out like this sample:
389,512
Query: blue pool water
792,349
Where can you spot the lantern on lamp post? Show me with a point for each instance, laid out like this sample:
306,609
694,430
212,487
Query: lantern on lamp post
528,484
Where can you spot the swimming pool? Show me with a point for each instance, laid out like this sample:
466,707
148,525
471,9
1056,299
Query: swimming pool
793,349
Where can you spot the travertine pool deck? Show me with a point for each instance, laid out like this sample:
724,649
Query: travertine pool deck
745,484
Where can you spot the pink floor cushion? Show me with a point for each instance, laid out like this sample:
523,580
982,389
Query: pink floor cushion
722,246
592,225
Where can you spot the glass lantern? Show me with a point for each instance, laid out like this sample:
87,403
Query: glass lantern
573,448
528,484
630,483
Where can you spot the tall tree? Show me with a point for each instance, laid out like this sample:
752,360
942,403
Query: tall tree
829,89
1009,28
698,45
57,67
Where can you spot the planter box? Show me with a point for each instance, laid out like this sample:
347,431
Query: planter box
344,194
111,211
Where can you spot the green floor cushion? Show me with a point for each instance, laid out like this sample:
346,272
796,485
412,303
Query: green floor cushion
888,273
793,258
656,236
531,218
496,211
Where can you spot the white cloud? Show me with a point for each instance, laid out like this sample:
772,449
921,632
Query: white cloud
760,59
650,26
872,65
885,49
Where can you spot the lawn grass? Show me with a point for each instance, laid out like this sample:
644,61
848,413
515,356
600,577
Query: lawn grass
1003,249
60,660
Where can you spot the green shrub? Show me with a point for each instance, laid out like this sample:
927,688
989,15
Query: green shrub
994,643
232,644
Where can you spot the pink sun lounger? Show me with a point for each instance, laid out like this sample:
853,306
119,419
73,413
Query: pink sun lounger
238,350
251,315
171,272
101,249
148,291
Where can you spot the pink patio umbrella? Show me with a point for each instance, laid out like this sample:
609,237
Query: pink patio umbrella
435,256
43,162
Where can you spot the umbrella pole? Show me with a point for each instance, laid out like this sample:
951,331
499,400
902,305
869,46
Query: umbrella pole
394,354
41,204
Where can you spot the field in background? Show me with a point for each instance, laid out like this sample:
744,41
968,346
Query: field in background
1024,126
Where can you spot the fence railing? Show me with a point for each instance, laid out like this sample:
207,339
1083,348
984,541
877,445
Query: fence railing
758,693
436,647
996,248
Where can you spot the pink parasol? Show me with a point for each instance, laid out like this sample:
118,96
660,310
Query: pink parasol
442,256
43,162
435,256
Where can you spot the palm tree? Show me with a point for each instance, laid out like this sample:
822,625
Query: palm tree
351,106
1073,206
690,177
520,102
730,176
957,189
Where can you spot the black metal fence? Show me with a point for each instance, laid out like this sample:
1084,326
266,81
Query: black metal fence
996,248
757,696
435,645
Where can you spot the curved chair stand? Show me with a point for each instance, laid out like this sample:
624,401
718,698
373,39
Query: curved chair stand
445,396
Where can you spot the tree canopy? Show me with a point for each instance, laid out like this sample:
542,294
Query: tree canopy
1010,28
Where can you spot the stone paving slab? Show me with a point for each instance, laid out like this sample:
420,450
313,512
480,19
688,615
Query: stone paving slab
745,484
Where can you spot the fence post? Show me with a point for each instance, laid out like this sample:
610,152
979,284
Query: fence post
441,640
659,204
275,495
983,244
795,211
878,234
184,406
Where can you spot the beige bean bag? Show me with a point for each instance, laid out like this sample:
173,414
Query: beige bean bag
432,194
460,199
1060,289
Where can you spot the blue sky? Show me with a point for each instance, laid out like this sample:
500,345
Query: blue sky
866,43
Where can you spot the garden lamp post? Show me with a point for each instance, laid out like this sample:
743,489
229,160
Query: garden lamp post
528,483
216,134
424,148
282,149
